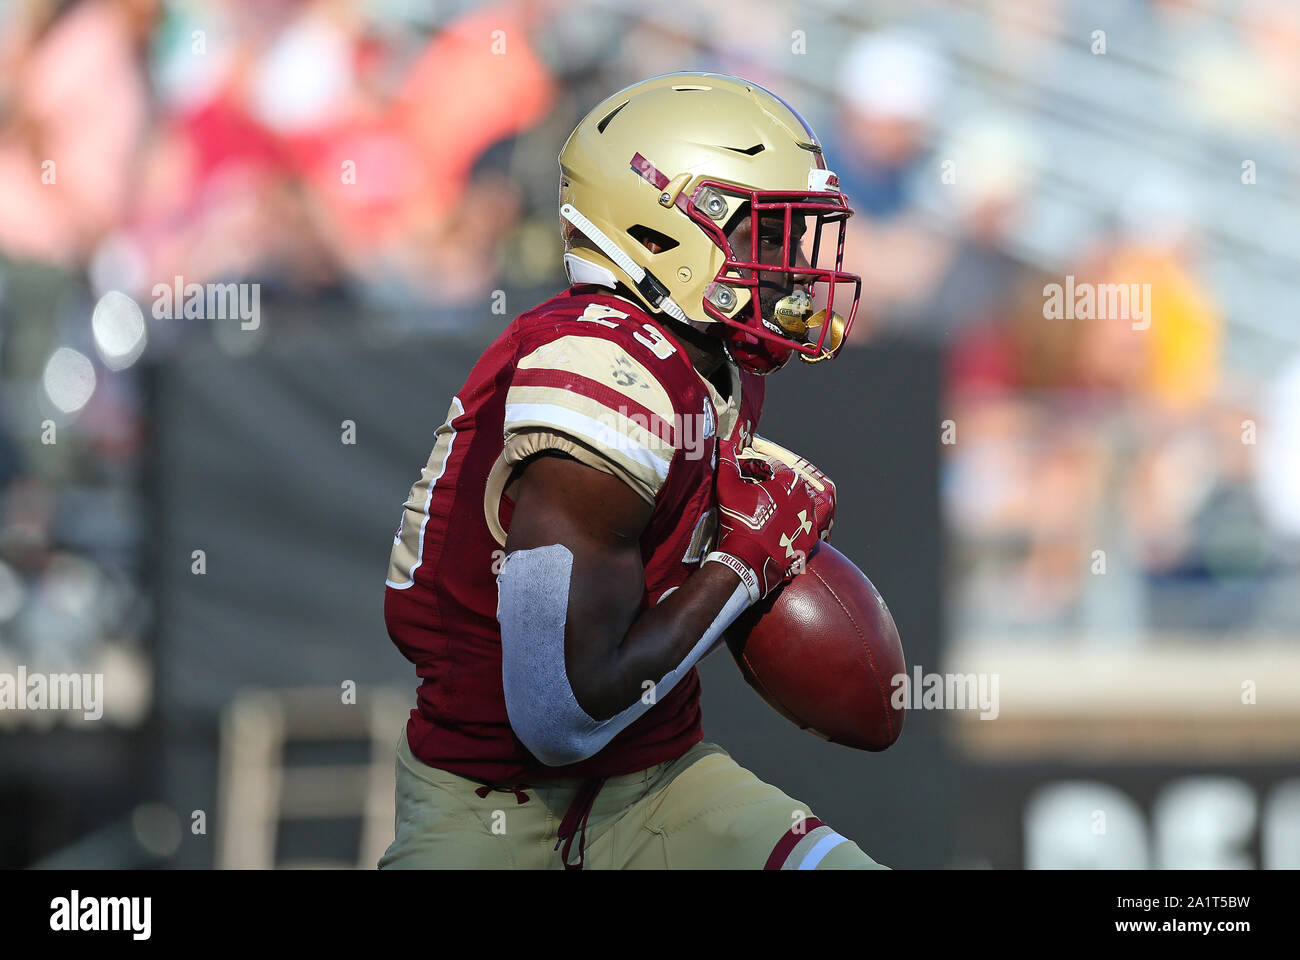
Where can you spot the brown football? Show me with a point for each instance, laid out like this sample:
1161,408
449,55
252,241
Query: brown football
822,651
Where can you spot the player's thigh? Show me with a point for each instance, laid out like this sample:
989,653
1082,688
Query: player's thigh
441,824
713,813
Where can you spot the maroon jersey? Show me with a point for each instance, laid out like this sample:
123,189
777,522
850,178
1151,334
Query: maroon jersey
596,377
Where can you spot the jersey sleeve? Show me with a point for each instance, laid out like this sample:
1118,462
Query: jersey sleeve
588,397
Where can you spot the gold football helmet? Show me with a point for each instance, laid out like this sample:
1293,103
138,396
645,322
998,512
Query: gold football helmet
655,178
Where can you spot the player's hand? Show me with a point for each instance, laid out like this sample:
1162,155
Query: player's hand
767,518
822,485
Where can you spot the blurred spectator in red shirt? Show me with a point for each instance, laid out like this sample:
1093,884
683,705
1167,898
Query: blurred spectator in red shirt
74,102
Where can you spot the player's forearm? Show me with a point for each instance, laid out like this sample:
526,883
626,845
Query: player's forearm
659,640
574,672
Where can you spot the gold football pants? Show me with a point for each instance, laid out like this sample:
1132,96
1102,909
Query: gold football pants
700,811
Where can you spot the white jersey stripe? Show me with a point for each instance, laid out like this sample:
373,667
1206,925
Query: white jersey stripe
589,429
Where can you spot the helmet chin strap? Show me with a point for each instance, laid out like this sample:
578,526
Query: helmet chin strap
647,284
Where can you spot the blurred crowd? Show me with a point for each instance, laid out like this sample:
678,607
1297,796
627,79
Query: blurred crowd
397,159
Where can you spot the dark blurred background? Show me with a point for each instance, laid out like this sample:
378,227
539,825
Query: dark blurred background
197,505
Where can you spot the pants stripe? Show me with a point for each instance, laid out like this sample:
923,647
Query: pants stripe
824,846
788,840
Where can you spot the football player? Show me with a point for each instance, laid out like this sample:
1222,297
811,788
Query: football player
598,508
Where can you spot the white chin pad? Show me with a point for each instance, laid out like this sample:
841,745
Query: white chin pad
532,607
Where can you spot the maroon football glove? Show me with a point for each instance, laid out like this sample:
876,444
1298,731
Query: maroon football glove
767,519
822,486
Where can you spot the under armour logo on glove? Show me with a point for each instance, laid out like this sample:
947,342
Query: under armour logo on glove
787,541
